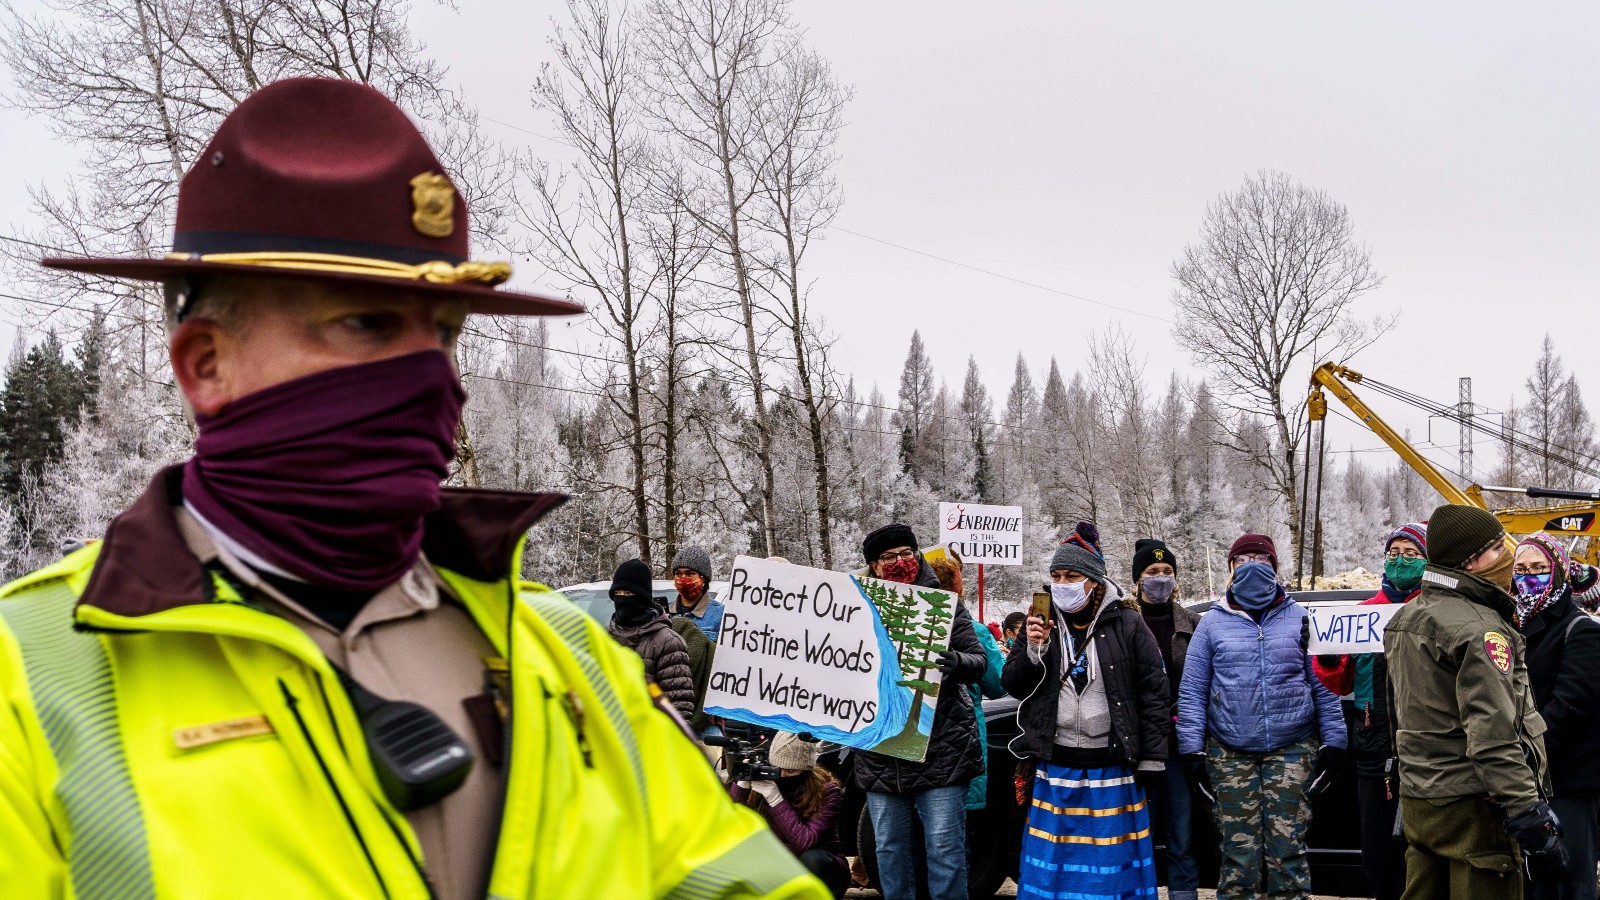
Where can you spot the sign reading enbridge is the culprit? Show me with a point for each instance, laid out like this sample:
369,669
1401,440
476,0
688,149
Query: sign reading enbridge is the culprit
991,535
850,660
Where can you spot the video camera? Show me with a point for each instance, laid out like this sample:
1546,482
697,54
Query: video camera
744,750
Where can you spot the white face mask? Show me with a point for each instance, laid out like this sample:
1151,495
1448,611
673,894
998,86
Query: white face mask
1069,598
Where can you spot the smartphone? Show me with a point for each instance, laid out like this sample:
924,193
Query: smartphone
1041,605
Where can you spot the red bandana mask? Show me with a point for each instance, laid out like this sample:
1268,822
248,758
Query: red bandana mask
690,588
903,571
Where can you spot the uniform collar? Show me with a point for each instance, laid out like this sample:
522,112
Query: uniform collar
145,566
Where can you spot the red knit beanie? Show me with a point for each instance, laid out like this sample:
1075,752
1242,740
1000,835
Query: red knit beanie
1254,543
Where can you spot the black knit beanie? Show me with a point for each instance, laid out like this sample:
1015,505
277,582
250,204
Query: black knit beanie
634,576
887,538
1148,551
1458,533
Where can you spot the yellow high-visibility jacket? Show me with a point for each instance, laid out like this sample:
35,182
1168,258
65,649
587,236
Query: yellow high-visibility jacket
107,655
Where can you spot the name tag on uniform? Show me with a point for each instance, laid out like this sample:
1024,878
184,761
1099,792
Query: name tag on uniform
217,732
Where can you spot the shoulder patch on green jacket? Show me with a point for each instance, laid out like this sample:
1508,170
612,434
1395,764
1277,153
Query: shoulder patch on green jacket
1498,646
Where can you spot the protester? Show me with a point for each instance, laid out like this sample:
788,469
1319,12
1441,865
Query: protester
1362,679
1013,627
641,625
1586,587
702,654
1155,579
183,702
948,569
1563,661
802,806
691,575
1095,708
1257,730
1468,731
899,792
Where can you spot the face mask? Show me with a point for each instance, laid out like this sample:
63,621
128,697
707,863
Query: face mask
1158,588
329,476
1069,598
690,588
1403,573
1255,586
635,611
1532,586
903,571
1499,574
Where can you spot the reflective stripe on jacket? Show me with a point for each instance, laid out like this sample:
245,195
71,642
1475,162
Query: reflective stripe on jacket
205,749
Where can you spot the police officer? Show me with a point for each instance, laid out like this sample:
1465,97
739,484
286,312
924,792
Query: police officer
297,668
1473,779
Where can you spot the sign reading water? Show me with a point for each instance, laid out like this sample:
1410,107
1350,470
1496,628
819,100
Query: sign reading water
1349,629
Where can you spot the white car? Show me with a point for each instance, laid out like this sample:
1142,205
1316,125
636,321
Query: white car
594,597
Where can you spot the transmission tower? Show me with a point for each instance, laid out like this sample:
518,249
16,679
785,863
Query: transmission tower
1464,408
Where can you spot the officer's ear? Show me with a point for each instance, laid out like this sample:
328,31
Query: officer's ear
194,350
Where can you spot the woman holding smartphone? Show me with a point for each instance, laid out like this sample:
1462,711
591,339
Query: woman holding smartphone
1094,709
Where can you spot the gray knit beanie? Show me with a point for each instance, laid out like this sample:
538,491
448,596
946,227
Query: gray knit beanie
789,752
693,558
1080,552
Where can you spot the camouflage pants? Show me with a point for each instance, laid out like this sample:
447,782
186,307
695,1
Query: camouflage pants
1263,814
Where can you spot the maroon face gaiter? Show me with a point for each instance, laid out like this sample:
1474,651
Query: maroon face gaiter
329,476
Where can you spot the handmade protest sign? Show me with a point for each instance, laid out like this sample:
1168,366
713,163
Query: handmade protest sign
852,660
990,535
1349,629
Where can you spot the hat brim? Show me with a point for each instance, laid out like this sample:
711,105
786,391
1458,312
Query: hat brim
480,298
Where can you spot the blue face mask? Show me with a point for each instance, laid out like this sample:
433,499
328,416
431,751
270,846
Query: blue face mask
1532,586
1255,586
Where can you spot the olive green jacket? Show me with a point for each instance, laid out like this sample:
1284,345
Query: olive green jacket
1466,720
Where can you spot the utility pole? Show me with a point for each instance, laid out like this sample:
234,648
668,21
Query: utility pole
1464,411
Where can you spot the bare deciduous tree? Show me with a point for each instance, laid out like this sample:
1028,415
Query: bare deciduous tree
1268,290
707,59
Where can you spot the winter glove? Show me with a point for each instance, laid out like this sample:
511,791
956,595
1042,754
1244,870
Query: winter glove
768,791
1329,660
949,663
1305,633
1194,766
1328,759
1538,831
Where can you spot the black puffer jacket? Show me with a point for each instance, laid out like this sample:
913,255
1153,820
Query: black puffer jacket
1134,677
1563,656
954,754
666,659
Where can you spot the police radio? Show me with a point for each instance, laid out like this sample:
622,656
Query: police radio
419,759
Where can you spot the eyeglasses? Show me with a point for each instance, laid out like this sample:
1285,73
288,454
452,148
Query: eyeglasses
1532,569
892,555
1253,557
1402,554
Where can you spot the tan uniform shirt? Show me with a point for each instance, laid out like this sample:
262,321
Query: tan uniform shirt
412,641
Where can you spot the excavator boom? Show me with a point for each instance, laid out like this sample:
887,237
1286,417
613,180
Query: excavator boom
1576,520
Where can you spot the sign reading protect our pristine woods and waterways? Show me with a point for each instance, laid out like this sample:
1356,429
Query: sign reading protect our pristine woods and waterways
988,535
849,659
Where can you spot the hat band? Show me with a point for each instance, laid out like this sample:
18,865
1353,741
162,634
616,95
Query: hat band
433,271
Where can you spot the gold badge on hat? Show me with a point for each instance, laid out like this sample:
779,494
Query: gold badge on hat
1159,554
434,204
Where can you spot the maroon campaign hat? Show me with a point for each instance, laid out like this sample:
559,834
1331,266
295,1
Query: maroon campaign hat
328,179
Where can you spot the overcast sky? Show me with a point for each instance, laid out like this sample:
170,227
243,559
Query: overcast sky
1075,146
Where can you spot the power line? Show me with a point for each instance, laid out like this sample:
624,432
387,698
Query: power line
993,274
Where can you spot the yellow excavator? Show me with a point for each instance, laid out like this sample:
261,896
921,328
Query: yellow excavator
1573,521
